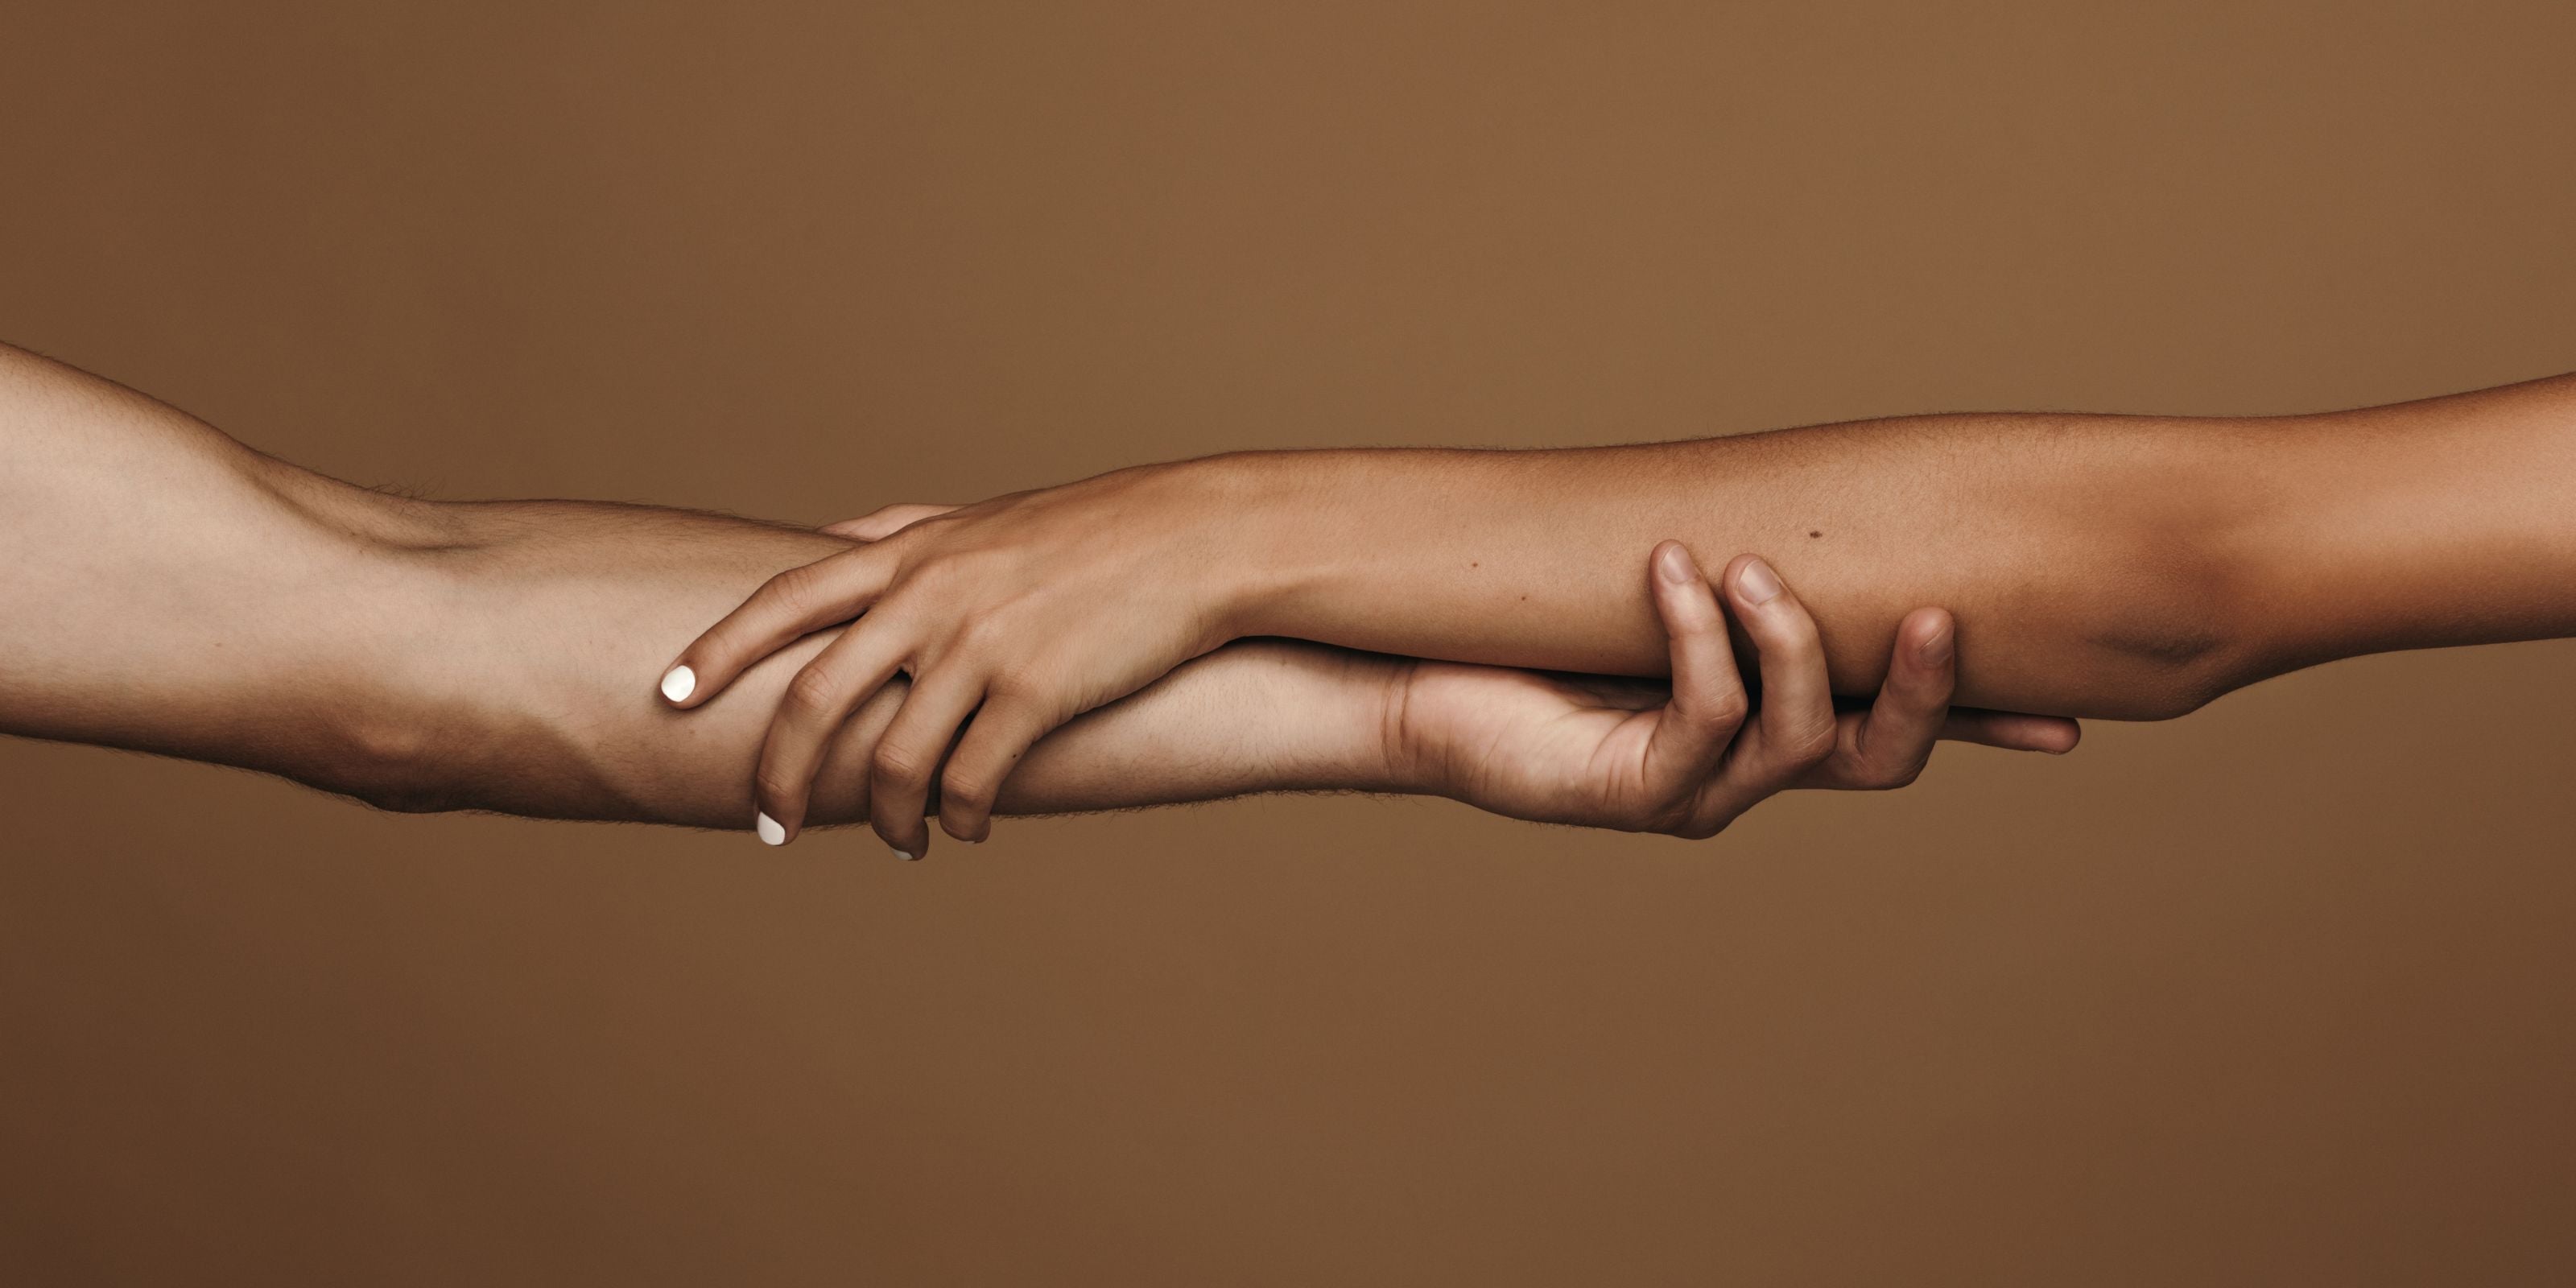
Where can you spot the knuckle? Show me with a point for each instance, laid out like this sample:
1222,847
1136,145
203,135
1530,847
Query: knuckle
1701,829
972,793
1810,743
980,631
939,575
1644,819
1016,685
813,693
793,591
1888,778
1725,712
901,766
776,784
1675,817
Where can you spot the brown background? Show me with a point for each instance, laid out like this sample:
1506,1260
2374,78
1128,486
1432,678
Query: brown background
2278,993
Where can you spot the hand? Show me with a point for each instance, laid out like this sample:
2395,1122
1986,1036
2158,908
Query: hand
1634,756
1016,614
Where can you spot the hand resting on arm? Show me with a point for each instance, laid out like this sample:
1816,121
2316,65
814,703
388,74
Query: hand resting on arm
169,590
2119,566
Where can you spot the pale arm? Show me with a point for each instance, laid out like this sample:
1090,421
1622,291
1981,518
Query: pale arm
169,590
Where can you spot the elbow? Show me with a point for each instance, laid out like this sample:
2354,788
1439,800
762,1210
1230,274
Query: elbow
2170,691
2180,648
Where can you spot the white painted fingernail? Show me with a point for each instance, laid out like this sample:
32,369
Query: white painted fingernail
772,832
678,683
905,855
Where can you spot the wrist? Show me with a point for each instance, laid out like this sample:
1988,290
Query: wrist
1411,756
1256,541
1334,719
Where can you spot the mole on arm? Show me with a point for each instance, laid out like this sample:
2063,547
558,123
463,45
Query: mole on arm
1817,532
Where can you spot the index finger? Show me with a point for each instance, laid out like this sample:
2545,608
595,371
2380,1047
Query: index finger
786,608
1708,701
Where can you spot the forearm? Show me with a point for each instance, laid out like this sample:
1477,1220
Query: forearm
565,612
2097,566
168,590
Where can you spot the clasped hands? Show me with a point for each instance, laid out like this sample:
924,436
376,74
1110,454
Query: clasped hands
1015,615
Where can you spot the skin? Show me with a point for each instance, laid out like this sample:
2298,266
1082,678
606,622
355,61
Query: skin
172,591
2115,566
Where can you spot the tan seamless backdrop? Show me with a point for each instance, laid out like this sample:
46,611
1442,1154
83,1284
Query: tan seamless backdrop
2279,993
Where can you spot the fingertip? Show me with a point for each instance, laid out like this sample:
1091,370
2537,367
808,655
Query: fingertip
905,844
908,837
1683,598
1932,638
1673,563
1753,581
679,684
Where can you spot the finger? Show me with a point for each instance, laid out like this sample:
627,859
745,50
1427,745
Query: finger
787,607
909,752
999,735
2012,730
884,522
1889,747
1708,702
817,703
1795,728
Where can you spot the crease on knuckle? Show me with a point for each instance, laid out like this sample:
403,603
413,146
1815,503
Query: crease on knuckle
1724,713
970,792
979,631
1887,777
902,767
791,593
813,694
1810,743
776,785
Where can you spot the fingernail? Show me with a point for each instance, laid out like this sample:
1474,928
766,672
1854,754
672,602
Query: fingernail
1759,584
1936,650
678,683
772,832
905,855
1674,565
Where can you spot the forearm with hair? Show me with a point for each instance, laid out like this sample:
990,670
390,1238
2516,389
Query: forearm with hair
560,615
